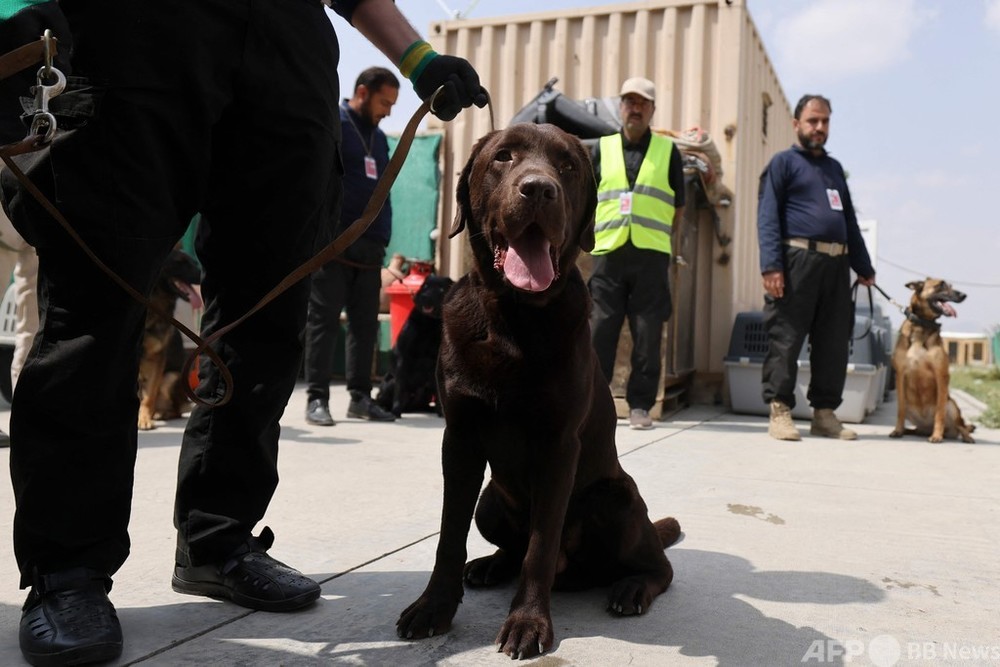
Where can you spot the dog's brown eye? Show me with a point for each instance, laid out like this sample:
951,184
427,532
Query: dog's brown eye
566,168
503,155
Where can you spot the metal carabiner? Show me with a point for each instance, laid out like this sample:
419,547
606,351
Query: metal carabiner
49,51
43,124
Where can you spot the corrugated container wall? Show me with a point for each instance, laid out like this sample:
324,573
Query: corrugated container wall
710,70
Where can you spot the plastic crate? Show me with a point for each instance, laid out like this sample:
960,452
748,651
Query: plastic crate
748,339
748,346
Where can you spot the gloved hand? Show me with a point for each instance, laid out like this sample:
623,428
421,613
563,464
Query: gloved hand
429,71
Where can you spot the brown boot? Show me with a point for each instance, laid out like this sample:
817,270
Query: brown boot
826,424
781,426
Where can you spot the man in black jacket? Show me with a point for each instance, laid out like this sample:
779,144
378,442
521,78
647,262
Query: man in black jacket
355,278
809,242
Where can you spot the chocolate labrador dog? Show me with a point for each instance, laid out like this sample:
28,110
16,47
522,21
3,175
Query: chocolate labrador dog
921,362
522,392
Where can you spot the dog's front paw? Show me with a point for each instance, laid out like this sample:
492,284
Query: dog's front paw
936,437
896,433
525,635
145,421
426,617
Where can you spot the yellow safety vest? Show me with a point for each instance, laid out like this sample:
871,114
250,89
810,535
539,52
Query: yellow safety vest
652,208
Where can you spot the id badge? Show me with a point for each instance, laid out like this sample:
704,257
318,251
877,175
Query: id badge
371,169
835,202
625,203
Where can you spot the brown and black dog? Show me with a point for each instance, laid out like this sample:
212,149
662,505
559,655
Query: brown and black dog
921,364
522,392
160,395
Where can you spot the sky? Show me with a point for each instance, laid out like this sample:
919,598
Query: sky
910,83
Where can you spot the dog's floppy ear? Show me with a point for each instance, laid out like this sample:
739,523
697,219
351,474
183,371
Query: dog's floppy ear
464,213
916,285
462,197
590,192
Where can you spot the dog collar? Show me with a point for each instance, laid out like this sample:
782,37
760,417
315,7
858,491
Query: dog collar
919,321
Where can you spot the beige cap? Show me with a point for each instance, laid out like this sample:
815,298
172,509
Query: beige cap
639,86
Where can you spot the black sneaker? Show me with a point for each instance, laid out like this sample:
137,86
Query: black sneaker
69,620
318,413
250,578
364,407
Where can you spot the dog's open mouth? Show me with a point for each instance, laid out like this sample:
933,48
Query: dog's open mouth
529,262
188,293
941,306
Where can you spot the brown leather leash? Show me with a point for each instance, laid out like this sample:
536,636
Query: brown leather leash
33,53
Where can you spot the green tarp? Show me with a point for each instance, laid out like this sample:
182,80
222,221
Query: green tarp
414,199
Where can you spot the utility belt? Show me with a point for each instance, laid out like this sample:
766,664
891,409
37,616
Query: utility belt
827,248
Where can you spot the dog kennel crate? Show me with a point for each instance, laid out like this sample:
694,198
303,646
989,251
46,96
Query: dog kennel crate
748,346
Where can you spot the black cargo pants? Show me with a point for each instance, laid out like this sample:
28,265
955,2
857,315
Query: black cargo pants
817,303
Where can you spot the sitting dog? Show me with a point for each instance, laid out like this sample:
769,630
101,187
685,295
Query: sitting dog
160,392
921,364
522,392
410,385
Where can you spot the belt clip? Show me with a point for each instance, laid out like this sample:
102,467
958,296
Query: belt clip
50,82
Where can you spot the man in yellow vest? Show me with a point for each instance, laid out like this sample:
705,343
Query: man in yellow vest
640,192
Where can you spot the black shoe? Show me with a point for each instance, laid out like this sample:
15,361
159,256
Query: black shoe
4,440
364,407
69,620
250,578
318,413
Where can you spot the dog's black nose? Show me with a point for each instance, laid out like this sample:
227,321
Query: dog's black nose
537,187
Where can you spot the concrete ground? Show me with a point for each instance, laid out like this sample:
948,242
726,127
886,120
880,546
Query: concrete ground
872,552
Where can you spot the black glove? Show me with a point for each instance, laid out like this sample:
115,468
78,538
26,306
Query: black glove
461,86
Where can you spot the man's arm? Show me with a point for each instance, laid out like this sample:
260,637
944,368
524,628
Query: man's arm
381,22
769,239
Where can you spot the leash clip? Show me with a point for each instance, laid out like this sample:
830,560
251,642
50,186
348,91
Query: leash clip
50,82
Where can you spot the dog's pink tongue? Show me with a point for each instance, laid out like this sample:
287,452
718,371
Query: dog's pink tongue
947,309
528,265
192,294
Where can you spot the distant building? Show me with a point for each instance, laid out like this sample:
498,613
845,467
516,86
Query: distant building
968,349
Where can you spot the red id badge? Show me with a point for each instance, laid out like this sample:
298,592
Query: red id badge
625,203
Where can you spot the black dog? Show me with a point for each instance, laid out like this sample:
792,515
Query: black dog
410,385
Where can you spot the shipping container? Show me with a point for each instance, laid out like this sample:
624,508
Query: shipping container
711,71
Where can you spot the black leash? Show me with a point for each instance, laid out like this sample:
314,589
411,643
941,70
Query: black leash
871,305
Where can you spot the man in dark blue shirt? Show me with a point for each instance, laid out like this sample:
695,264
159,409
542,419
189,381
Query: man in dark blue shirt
809,242
230,109
353,280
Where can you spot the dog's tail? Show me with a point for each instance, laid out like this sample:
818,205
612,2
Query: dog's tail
669,530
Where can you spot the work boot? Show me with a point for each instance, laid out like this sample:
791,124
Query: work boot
363,407
318,413
781,426
826,424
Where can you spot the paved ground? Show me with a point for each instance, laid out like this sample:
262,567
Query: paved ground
873,552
